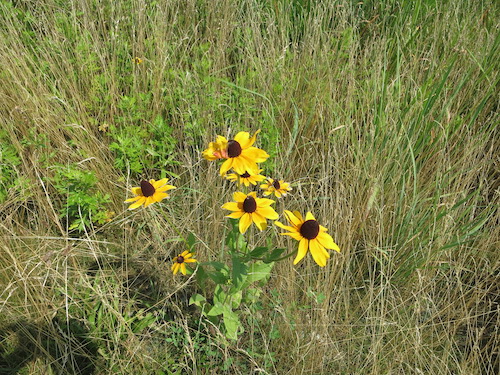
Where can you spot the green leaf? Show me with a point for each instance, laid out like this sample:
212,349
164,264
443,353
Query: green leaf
218,309
191,240
231,322
258,271
239,271
258,251
218,277
275,254
197,299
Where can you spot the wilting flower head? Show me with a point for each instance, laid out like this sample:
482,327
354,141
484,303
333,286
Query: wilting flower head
311,235
249,208
239,152
246,178
280,188
149,192
180,262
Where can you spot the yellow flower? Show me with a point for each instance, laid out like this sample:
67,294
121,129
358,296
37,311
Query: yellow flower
311,235
246,178
280,188
180,262
138,60
240,154
149,192
249,208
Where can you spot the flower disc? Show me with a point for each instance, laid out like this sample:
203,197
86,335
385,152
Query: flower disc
309,229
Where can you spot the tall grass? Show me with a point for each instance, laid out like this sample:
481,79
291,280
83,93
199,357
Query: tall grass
383,114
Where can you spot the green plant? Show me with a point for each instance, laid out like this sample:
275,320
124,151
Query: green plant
83,205
9,159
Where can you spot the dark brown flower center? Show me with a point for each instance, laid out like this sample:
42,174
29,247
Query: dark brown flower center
309,229
233,148
245,175
180,259
249,204
276,184
147,189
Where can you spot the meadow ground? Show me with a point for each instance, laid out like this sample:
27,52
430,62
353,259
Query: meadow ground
384,117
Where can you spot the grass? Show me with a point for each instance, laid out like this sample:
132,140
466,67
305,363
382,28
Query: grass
383,114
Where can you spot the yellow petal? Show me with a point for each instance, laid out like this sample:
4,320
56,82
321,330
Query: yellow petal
136,190
139,203
255,154
239,196
190,260
243,138
263,202
286,227
327,241
159,196
148,201
293,219
318,253
236,215
175,268
183,268
166,188
303,245
268,212
259,220
264,186
159,183
132,199
231,206
184,253
295,235
227,165
309,216
245,222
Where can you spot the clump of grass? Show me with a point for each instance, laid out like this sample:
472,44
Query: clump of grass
387,109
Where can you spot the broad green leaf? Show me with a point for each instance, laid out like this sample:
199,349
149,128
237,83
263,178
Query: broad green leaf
232,323
218,309
197,299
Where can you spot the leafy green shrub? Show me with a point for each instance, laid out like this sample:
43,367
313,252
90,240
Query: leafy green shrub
138,142
83,205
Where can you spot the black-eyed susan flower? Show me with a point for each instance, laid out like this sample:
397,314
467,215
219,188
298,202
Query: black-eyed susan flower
181,260
246,178
138,60
249,208
310,235
239,152
280,188
149,192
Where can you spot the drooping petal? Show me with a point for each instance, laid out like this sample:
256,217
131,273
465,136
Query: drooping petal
303,245
259,221
183,268
227,165
327,241
148,201
318,253
245,222
293,219
139,203
286,227
175,268
133,199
